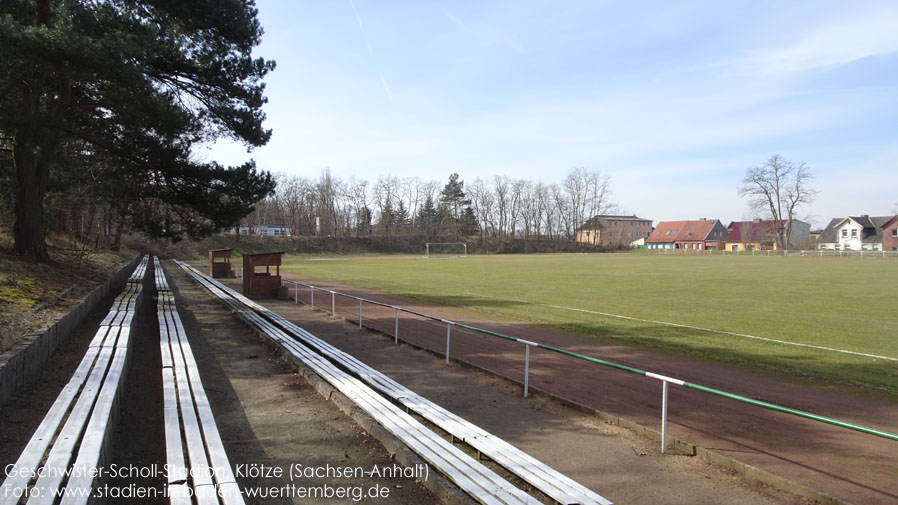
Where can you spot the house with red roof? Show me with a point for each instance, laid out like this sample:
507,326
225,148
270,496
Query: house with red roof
697,235
760,235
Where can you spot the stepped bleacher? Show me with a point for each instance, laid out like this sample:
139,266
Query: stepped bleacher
197,462
62,457
363,385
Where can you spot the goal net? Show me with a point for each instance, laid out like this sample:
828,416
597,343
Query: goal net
445,250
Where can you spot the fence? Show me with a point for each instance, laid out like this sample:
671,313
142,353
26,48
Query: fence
828,253
514,341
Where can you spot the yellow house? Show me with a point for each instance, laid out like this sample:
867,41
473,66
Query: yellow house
756,235
760,235
614,231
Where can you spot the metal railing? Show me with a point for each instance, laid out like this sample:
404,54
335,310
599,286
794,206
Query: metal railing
828,253
665,380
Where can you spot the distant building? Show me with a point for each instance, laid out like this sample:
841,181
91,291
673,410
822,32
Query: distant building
860,233
814,238
613,231
270,230
697,235
890,234
760,235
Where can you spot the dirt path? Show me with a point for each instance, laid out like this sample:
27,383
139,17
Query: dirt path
269,415
850,466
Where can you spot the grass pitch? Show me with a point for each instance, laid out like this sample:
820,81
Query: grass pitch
842,303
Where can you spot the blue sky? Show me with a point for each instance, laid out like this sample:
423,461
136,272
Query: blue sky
673,100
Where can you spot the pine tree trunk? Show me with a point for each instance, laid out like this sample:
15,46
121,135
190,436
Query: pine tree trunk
119,228
29,232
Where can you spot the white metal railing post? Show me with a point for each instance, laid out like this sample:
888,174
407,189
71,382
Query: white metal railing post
526,369
296,292
360,314
664,417
448,336
396,329
312,291
333,304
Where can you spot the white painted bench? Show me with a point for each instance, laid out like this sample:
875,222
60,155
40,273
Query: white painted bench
197,462
71,441
470,475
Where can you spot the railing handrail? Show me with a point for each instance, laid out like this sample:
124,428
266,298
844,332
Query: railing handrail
637,371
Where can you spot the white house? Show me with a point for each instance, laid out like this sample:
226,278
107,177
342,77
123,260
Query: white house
861,233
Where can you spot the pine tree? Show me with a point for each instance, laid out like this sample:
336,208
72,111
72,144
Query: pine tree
452,201
134,84
469,224
427,217
400,217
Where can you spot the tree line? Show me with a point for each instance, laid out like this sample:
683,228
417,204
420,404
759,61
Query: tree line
494,207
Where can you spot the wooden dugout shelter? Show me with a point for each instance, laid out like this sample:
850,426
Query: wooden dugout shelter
220,269
259,284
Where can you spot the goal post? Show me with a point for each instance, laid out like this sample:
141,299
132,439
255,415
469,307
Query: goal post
445,249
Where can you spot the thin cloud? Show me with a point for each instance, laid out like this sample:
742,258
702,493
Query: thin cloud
370,49
831,45
357,17
454,19
386,86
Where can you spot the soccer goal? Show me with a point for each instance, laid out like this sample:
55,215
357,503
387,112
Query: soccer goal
446,250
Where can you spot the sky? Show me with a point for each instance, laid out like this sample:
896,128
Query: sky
672,100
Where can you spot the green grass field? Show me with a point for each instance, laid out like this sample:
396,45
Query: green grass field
843,303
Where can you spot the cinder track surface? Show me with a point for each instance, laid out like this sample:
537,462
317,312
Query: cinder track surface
849,466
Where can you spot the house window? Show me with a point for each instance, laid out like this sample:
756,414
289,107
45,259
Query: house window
734,247
895,232
836,247
845,233
847,247
853,233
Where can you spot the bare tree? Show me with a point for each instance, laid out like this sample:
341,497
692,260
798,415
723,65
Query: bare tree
781,188
356,192
483,202
386,196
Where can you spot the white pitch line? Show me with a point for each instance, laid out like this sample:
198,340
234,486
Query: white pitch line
677,325
724,332
699,328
